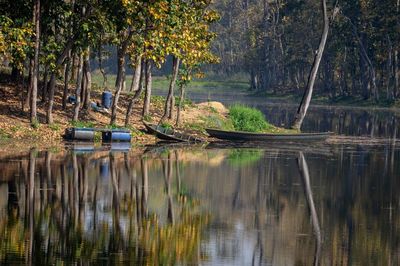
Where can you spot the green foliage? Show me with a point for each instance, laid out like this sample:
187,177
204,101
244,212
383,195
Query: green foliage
35,124
55,126
166,125
4,135
248,119
147,118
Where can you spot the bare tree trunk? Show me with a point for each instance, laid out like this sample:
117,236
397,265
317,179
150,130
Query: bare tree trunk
137,74
136,87
29,92
103,73
88,80
396,74
181,99
35,74
119,81
147,96
44,84
78,88
389,65
52,84
170,97
66,81
305,102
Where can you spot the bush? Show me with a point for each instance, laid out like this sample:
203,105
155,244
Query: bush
248,119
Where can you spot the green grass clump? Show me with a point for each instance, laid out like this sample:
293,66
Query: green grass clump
248,119
4,135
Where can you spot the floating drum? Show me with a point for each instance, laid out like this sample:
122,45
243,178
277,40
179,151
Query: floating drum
106,99
84,134
116,135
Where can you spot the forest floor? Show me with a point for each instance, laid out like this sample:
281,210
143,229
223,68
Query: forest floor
17,133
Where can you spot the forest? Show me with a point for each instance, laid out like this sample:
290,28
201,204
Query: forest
274,41
47,42
50,45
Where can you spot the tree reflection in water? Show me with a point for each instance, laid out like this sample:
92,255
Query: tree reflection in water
119,208
73,214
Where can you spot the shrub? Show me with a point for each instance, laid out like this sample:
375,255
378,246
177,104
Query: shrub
248,119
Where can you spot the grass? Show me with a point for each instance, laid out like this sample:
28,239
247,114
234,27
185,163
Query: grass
248,119
4,135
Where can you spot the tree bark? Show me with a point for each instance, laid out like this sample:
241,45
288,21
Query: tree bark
35,74
147,96
78,88
136,87
52,84
396,74
181,99
305,102
44,84
29,92
66,81
121,52
88,80
170,97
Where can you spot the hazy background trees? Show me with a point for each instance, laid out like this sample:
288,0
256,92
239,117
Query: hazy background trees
274,42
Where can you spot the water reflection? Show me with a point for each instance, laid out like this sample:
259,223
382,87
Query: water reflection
71,208
270,206
369,122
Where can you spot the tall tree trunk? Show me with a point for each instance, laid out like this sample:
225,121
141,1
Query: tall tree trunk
35,74
136,77
147,96
88,80
52,85
396,86
66,81
44,84
78,88
305,102
181,99
170,97
136,87
29,92
121,52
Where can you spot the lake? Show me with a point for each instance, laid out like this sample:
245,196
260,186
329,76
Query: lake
179,205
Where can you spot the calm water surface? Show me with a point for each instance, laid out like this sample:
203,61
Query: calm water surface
330,205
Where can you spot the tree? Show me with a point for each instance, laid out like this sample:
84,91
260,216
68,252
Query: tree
35,74
305,102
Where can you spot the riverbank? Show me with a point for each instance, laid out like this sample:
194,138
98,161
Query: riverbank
17,133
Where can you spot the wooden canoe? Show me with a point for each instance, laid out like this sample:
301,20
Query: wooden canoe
249,136
169,134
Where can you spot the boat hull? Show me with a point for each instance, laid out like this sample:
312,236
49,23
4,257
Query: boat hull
248,136
170,135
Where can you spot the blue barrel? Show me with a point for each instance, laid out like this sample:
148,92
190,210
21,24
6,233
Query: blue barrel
116,135
106,99
83,134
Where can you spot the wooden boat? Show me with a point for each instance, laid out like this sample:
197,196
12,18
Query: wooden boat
169,134
249,136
